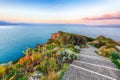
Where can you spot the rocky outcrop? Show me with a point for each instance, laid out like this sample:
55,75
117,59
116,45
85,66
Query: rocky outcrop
68,38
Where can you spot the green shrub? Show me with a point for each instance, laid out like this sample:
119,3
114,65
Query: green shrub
65,68
116,62
114,55
115,58
73,57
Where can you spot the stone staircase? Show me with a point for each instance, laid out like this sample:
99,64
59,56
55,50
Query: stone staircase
91,66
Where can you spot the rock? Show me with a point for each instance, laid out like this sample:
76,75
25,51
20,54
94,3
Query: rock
96,42
35,76
117,47
56,48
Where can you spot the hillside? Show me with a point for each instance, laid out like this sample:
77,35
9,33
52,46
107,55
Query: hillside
49,61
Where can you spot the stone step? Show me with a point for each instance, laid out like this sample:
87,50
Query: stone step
88,52
96,60
78,73
108,71
95,57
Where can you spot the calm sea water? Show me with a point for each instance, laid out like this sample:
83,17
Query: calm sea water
15,39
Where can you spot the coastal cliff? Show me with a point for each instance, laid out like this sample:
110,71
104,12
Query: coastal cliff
49,61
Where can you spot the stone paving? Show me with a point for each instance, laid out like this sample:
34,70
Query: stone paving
91,66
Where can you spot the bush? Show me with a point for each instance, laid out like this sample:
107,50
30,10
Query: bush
10,71
114,55
2,71
116,62
65,68
115,58
106,51
52,75
73,57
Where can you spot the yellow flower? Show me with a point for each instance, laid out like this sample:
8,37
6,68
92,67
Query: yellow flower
2,71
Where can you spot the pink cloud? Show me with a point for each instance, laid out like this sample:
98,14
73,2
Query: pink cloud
115,16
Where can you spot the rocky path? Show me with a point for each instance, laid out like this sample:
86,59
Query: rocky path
91,66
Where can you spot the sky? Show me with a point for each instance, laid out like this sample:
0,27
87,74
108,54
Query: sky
61,11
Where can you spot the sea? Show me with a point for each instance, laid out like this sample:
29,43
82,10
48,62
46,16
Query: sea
14,39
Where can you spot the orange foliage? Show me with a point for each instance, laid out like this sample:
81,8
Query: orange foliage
55,35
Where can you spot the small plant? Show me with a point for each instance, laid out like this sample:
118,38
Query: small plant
115,58
116,62
61,74
106,51
114,55
2,71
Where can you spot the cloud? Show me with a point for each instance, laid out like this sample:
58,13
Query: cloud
114,16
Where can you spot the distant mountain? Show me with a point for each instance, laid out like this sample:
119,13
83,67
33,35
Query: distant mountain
13,23
6,23
20,23
105,25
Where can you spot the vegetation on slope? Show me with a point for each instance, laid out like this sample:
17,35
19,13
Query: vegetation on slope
48,61
108,48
